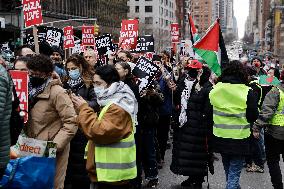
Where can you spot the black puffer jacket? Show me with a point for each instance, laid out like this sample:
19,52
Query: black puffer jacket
76,175
190,146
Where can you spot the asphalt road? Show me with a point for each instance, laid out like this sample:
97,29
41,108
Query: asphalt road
168,180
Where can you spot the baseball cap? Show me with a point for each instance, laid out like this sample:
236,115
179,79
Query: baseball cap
195,64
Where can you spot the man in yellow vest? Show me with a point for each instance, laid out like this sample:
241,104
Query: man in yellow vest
234,108
272,118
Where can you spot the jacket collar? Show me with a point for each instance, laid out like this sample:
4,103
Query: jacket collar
46,92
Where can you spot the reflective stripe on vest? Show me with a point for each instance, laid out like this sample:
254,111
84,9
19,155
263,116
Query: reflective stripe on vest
115,162
229,110
278,117
260,88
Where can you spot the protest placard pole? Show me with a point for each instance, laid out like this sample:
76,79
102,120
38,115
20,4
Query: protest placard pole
36,39
65,54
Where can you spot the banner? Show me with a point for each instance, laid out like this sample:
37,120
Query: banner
129,34
104,44
32,12
145,71
145,44
53,36
20,79
175,32
88,37
68,37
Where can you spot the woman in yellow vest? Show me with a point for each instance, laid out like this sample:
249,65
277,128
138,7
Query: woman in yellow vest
234,108
111,154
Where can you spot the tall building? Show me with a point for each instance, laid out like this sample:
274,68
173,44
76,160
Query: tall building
223,4
201,11
155,18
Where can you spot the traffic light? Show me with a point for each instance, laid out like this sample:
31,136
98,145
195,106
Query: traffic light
97,29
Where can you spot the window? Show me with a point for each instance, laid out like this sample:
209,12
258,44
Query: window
148,9
148,20
167,2
128,9
136,8
148,0
162,1
162,11
167,23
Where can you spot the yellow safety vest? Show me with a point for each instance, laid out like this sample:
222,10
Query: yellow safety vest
278,117
229,110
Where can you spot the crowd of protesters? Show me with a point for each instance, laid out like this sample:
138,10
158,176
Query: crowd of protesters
108,133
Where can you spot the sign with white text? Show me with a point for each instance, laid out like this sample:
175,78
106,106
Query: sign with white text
32,12
129,34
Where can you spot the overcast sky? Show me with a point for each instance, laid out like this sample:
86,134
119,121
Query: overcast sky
241,10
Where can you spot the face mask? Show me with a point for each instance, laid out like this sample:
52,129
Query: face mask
99,91
37,81
193,73
74,74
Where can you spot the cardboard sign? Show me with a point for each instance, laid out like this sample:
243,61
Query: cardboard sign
88,37
175,32
145,71
145,44
53,36
20,79
104,44
129,34
32,12
68,37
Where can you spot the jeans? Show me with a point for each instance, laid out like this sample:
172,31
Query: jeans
233,167
149,162
274,148
261,145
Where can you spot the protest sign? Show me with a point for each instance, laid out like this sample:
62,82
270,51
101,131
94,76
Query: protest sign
68,37
145,71
88,37
20,79
77,47
186,48
32,12
104,44
145,44
175,32
129,34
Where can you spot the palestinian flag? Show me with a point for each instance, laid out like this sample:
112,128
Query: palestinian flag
193,31
211,48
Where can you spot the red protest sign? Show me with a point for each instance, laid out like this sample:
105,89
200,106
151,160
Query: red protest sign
88,37
68,37
175,32
20,79
32,12
129,34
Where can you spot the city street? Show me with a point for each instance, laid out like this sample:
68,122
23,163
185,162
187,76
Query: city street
168,180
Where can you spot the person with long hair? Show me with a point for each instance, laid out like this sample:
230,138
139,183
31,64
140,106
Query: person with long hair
79,82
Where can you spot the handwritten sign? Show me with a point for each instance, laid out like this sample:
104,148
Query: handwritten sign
104,44
32,12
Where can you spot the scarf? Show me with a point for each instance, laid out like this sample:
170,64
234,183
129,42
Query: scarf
33,92
120,94
75,83
184,98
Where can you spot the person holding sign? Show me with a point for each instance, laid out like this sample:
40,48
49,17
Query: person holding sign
111,151
79,83
91,57
51,113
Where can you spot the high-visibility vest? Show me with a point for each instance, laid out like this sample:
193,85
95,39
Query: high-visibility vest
260,88
117,161
278,117
229,110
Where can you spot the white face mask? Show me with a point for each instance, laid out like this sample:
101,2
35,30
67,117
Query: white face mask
99,91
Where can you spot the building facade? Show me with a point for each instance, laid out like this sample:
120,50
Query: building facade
155,18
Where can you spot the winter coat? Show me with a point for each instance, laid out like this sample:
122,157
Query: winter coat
166,108
237,146
6,85
268,109
190,149
115,126
76,174
53,119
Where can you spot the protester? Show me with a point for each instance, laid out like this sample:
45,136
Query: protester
166,58
21,63
126,57
271,118
79,82
24,50
51,113
91,57
234,108
110,133
6,85
257,63
190,155
57,59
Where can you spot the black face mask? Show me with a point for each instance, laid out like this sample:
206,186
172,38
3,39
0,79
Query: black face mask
37,81
193,73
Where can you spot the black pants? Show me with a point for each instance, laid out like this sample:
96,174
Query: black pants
255,155
163,133
109,186
274,148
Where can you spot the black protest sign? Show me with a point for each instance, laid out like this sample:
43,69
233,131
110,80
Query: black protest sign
145,44
104,44
145,71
